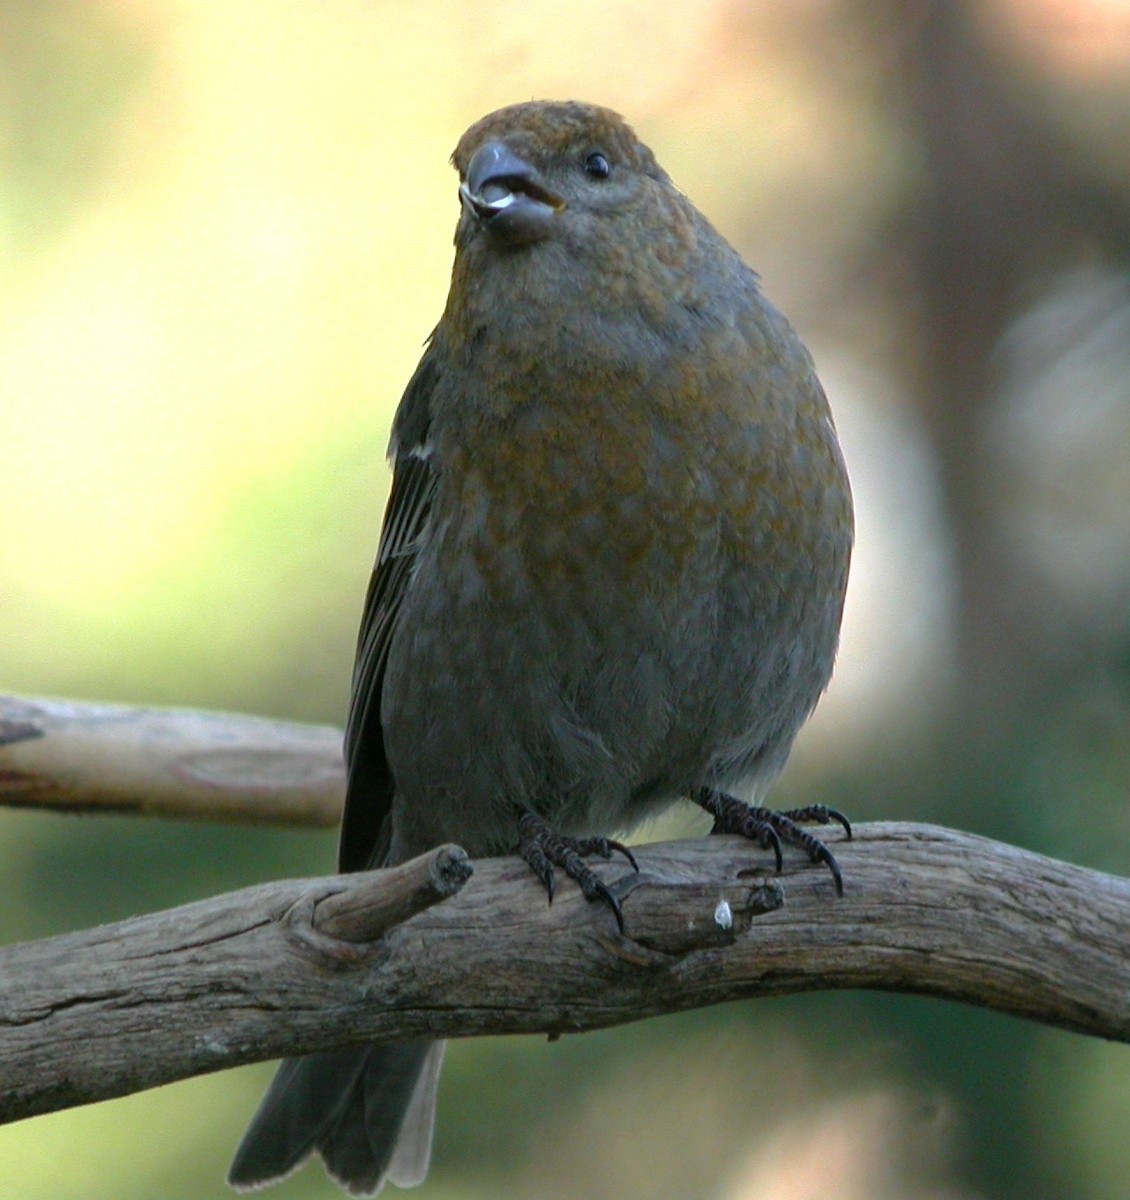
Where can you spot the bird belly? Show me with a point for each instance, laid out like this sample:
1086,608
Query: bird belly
593,632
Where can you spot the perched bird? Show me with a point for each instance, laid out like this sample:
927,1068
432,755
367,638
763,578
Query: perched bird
610,576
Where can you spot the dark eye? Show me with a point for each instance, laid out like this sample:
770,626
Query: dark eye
597,165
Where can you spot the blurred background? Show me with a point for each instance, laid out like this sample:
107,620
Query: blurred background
225,231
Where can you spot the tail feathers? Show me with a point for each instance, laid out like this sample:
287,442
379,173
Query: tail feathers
368,1111
413,1150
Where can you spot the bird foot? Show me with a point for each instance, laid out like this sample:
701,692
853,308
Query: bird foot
770,828
543,848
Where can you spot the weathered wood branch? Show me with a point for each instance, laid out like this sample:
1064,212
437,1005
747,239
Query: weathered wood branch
168,762
308,964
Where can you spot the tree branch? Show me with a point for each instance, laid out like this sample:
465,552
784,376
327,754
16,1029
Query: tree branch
168,762
306,965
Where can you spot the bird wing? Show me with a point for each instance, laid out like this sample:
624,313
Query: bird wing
365,825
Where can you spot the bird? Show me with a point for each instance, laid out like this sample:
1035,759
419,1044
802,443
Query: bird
610,576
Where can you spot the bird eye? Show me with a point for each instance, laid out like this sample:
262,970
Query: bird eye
597,166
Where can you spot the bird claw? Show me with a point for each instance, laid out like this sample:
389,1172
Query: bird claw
543,848
770,828
603,848
818,814
601,891
770,839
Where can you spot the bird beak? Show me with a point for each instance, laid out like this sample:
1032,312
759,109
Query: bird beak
506,196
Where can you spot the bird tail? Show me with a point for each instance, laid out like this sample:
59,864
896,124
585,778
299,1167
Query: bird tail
367,1110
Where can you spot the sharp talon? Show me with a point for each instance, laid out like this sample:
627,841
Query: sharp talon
825,856
626,853
840,819
614,904
550,881
771,840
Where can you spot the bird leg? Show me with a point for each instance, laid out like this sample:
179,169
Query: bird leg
770,828
543,848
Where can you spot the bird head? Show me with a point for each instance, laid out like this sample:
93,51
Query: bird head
573,240
535,171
